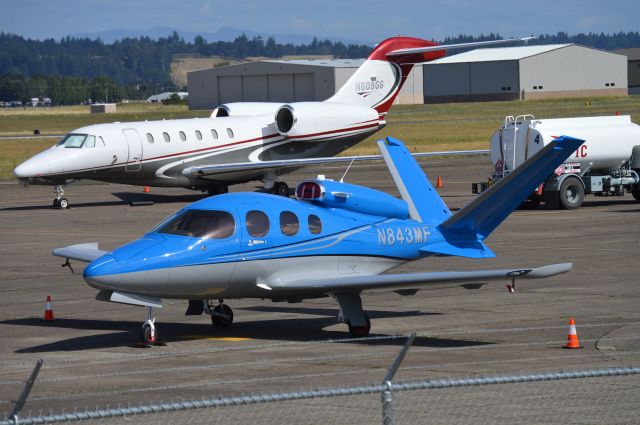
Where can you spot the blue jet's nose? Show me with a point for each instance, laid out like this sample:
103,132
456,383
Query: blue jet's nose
100,273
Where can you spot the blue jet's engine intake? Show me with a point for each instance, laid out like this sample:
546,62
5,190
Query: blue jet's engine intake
332,194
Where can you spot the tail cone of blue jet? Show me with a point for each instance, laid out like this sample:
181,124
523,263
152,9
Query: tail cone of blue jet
335,239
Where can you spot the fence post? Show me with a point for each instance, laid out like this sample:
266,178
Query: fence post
388,417
25,392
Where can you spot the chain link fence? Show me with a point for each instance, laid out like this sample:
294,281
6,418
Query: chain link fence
600,396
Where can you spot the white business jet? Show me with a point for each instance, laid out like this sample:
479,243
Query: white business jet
240,142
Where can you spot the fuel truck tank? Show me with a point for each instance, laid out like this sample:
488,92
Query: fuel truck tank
609,141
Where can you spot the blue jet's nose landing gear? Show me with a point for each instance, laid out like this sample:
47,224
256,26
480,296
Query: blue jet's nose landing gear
149,333
221,315
59,201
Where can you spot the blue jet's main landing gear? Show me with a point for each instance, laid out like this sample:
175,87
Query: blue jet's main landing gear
281,189
221,315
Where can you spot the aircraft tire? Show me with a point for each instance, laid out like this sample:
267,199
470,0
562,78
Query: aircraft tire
145,334
56,203
63,203
281,189
360,331
222,316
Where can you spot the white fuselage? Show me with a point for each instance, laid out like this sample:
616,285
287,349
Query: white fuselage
155,153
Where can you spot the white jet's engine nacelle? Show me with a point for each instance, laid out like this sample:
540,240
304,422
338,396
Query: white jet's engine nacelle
245,109
312,119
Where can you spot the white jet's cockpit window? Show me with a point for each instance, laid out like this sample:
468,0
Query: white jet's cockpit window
201,224
90,142
73,140
101,142
257,223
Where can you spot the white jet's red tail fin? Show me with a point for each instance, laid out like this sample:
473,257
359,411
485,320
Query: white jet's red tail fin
379,79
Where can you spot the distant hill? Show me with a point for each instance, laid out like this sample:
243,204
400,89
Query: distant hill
223,34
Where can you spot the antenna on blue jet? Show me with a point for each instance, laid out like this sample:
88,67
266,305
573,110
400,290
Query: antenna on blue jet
347,170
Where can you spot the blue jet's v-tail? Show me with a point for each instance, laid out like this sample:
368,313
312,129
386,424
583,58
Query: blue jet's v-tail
335,239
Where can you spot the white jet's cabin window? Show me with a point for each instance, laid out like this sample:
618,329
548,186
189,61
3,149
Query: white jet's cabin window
166,136
202,224
183,136
289,223
214,134
315,225
257,223
230,132
150,138
198,135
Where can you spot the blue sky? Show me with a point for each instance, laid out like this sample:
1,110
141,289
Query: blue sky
359,20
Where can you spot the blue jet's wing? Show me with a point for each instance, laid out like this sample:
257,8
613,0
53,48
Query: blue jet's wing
86,252
429,279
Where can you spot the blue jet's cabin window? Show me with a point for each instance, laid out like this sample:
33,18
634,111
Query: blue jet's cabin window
257,223
183,136
289,223
315,225
229,132
201,224
166,136
72,141
198,135
214,134
150,138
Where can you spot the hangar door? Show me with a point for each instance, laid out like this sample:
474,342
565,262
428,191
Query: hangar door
304,87
229,89
254,88
281,88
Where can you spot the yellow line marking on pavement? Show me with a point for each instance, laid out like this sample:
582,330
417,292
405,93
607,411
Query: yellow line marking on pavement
217,338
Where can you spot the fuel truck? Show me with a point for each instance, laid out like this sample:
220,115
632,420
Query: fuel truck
607,164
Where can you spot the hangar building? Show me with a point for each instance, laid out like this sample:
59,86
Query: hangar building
527,72
283,81
633,68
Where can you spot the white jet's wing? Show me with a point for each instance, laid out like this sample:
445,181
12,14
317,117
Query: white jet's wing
415,280
86,252
203,171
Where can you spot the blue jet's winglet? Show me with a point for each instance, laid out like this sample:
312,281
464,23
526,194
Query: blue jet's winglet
481,216
425,205
468,249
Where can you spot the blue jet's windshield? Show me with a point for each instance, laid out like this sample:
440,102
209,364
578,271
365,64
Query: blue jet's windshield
73,140
200,224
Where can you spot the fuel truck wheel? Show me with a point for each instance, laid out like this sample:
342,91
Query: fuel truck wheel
636,191
571,193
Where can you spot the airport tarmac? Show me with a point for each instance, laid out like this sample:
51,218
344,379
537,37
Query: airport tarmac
89,359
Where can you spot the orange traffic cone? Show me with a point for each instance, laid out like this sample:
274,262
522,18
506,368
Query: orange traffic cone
146,189
439,182
572,339
48,310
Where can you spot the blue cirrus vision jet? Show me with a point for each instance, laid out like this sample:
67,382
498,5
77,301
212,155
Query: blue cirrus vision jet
335,239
